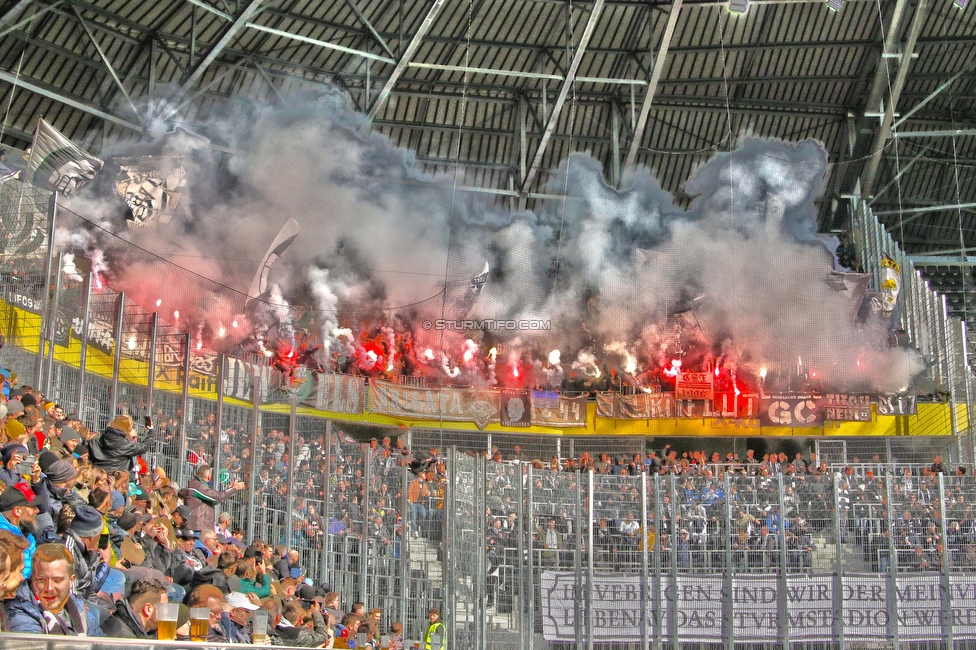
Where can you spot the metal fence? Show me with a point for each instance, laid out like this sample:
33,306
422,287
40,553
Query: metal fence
925,317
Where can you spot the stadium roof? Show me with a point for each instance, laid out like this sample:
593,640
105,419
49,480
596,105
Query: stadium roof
889,86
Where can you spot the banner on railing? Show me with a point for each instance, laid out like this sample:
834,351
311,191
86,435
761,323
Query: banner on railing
452,404
515,409
550,409
897,404
339,394
695,603
847,408
693,385
792,411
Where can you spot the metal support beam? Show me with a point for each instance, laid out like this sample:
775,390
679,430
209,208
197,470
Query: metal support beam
319,43
267,80
557,106
951,133
901,172
662,54
113,409
185,419
83,355
935,93
32,85
14,11
25,21
884,133
368,25
151,383
408,53
929,208
108,64
225,38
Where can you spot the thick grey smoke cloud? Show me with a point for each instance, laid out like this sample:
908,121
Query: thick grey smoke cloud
608,269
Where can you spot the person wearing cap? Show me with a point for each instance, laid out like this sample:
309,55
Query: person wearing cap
83,540
434,627
201,498
135,617
69,440
181,517
116,449
46,605
238,620
18,513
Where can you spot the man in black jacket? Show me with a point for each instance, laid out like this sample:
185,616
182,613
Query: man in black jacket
218,575
116,449
136,616
292,632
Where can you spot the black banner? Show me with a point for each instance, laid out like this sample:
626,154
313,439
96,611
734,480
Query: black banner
792,411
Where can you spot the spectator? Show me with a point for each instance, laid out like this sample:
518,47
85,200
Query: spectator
239,617
211,598
46,605
200,498
118,446
287,566
18,510
84,542
293,633
135,616
434,627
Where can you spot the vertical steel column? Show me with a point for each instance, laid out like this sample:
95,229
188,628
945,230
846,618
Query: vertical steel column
255,425
644,577
151,381
364,533
219,419
480,522
292,434
948,619
728,620
530,522
117,361
447,556
185,416
52,325
673,582
838,580
488,444
405,544
52,220
583,601
781,604
657,596
590,622
525,626
892,572
83,358
559,450
326,499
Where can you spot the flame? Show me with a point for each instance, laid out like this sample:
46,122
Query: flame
468,355
716,370
234,324
176,315
762,373
199,344
674,369
132,342
221,332
493,353
159,302
515,372
428,354
554,357
631,366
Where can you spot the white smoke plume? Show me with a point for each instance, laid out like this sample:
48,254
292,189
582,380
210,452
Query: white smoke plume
617,279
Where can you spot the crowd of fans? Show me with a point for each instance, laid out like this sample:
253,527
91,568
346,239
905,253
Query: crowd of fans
93,541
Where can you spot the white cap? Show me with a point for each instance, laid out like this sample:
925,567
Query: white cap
238,599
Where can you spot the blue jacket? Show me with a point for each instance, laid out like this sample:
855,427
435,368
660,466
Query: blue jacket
24,614
31,545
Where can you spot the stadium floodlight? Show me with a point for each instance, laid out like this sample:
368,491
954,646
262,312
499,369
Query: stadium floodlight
836,4
960,3
738,6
